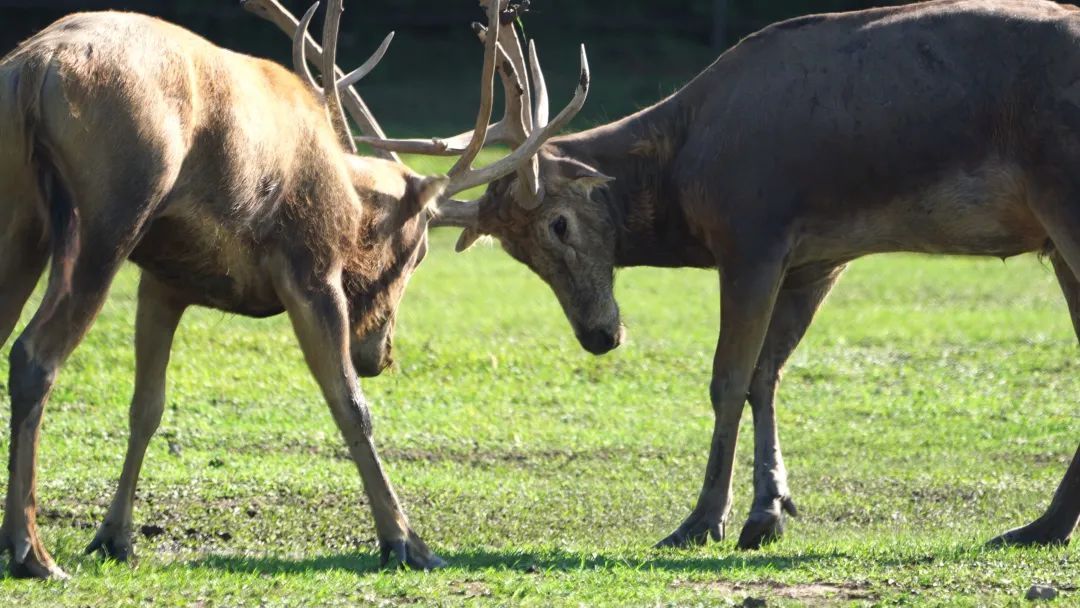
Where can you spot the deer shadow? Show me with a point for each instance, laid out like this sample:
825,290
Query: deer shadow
523,561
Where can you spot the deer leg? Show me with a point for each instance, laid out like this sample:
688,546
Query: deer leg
747,297
23,254
65,315
320,318
802,293
156,320
100,234
1056,525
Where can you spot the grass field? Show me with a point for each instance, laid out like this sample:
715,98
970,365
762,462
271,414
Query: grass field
932,406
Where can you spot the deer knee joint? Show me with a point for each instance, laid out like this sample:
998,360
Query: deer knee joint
361,415
30,380
720,391
146,416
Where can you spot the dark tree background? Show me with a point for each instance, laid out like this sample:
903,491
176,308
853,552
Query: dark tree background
640,50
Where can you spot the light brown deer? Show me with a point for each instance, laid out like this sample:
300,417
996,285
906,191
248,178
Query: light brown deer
230,183
947,127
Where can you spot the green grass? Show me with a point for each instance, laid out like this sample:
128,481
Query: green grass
931,406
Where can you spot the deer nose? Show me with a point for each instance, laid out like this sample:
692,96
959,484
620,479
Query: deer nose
600,341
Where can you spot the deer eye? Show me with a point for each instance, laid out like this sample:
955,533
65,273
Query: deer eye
558,226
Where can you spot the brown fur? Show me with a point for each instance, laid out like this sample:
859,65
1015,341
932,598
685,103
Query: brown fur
122,136
946,127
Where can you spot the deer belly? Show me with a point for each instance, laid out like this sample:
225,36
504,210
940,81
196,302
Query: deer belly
976,212
210,266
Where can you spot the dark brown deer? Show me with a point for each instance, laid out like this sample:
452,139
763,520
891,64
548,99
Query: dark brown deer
229,182
948,127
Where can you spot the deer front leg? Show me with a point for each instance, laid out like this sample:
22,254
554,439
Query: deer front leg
158,315
747,296
802,293
319,316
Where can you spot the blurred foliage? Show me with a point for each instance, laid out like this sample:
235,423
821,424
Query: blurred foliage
640,50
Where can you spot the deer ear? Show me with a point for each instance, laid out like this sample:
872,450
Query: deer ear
468,237
592,179
582,174
427,190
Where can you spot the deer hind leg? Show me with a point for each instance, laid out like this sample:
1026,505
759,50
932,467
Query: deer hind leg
159,313
1060,217
109,226
23,253
1056,525
65,315
803,291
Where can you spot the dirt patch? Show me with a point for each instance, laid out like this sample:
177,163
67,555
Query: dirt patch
806,593
470,589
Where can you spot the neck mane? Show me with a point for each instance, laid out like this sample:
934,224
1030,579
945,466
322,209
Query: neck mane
382,259
640,152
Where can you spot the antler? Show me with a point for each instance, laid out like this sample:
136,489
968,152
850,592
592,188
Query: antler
516,124
273,11
513,128
329,68
531,145
524,128
299,55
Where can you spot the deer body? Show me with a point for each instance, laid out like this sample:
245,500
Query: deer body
830,129
122,136
232,186
947,127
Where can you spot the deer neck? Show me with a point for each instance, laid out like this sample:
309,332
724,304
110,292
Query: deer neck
640,152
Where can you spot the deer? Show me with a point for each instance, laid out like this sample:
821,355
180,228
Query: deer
232,183
942,127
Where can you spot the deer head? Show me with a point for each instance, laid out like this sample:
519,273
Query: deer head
534,203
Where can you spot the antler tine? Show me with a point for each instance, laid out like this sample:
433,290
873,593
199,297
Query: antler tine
487,95
527,150
429,147
509,40
274,12
514,127
456,214
541,109
530,172
299,56
359,73
329,66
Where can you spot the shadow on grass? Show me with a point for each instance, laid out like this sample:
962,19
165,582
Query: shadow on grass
523,561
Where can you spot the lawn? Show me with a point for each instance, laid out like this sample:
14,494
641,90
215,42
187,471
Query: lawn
932,405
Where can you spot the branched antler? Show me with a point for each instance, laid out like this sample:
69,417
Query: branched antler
524,124
523,127
274,12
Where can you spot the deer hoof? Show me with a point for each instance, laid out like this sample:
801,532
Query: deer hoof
1032,535
694,532
766,526
28,559
111,544
410,554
